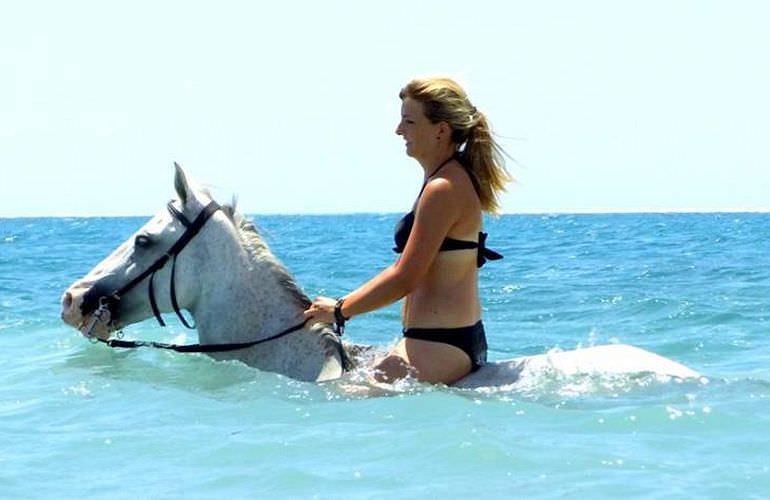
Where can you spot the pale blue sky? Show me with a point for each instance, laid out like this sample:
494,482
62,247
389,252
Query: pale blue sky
607,106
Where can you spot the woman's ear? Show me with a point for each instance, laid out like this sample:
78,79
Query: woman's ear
443,130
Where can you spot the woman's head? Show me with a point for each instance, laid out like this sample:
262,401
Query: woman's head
445,102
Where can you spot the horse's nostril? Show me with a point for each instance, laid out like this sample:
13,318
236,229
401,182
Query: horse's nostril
66,301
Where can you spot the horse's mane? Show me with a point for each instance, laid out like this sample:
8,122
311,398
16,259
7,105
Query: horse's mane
257,248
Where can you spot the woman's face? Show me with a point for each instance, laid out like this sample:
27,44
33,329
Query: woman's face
418,132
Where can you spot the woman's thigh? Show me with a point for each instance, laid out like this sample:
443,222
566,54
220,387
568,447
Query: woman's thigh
433,362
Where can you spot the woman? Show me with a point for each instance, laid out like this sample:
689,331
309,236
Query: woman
440,241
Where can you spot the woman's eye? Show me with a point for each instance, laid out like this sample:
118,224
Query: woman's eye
142,241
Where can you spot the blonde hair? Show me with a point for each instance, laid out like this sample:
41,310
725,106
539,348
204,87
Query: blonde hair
444,100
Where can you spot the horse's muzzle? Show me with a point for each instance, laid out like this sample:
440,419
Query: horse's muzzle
78,305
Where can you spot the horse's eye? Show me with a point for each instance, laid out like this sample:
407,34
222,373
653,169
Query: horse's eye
142,241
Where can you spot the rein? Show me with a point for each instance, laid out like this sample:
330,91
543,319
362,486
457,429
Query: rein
345,362
195,348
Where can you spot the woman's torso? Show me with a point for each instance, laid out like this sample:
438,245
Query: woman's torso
447,297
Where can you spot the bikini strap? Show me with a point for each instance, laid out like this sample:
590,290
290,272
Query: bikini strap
435,171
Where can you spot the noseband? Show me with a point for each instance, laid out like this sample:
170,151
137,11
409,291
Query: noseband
191,229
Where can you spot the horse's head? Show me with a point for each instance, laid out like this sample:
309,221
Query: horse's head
135,281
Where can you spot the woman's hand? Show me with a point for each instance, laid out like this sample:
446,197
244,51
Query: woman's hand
321,310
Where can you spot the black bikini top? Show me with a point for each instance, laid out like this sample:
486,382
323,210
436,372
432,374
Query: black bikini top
404,229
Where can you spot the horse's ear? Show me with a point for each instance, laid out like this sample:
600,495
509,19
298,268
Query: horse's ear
180,183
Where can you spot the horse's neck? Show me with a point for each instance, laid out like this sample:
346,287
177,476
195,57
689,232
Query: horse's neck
243,300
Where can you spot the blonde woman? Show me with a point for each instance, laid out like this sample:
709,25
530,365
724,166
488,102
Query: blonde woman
440,242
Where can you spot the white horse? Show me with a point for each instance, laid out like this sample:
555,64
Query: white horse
247,306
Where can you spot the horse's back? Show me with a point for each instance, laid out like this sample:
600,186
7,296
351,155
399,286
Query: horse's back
605,359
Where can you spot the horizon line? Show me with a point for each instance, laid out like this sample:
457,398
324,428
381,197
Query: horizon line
582,211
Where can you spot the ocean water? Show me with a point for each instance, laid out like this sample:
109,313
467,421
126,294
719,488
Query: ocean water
78,419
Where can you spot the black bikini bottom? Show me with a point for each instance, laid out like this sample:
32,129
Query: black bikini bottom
471,339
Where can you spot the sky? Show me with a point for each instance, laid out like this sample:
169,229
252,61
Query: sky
604,106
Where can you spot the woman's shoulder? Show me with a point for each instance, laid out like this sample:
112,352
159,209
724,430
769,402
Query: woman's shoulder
450,193
453,181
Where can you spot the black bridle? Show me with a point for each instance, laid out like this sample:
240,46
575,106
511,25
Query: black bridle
109,300
106,302
191,229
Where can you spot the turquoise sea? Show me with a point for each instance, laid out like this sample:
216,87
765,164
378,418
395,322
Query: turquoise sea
80,420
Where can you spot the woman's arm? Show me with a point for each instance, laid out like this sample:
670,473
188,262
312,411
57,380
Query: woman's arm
436,213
